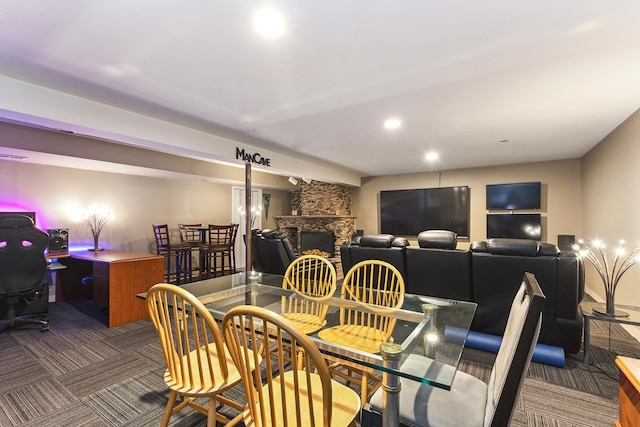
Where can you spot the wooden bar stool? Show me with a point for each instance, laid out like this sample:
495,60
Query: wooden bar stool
220,246
179,252
193,235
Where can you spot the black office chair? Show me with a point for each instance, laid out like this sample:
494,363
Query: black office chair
24,289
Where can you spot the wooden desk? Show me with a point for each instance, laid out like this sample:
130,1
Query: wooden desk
117,277
629,391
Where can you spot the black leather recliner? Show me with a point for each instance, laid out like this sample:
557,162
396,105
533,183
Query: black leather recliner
486,274
437,268
24,289
383,247
496,262
271,252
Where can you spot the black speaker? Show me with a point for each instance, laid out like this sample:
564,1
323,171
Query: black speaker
58,240
566,242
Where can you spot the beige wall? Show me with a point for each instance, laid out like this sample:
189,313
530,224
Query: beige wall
611,200
280,204
59,194
593,197
560,194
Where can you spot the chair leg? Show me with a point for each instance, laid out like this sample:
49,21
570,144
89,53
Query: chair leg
364,389
211,415
178,261
45,323
167,268
232,260
186,255
14,321
204,265
215,264
168,410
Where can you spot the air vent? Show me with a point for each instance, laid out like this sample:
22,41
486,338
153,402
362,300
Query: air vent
12,157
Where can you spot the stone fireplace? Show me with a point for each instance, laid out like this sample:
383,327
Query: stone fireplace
321,208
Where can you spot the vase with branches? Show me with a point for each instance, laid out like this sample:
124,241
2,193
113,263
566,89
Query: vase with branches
255,212
96,221
610,272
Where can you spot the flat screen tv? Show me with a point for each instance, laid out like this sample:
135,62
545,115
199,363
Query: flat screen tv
514,226
408,212
522,195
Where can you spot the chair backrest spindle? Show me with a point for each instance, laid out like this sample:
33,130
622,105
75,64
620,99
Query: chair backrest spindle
280,393
372,282
185,325
312,279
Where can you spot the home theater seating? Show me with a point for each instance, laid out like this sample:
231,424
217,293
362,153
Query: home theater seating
489,274
271,251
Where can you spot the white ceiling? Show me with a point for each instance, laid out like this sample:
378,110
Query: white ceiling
551,77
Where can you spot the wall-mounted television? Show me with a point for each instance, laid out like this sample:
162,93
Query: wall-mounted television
514,226
408,212
522,195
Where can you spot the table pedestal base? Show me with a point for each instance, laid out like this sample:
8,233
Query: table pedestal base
391,353
601,310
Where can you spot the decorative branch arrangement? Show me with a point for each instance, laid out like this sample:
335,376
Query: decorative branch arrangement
610,274
96,221
256,211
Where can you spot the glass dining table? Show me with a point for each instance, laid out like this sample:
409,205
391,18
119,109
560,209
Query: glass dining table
428,329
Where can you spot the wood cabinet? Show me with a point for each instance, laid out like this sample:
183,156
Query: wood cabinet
629,389
117,277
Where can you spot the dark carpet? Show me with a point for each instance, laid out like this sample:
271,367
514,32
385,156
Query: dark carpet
82,373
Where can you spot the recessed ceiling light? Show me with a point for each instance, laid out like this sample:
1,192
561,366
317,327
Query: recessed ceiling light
431,156
269,23
392,123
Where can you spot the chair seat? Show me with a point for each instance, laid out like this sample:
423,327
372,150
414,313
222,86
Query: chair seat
195,387
305,322
424,405
345,406
363,338
176,247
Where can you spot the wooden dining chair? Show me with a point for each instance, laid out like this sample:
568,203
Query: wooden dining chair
198,362
472,402
282,393
312,278
378,284
176,255
219,247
